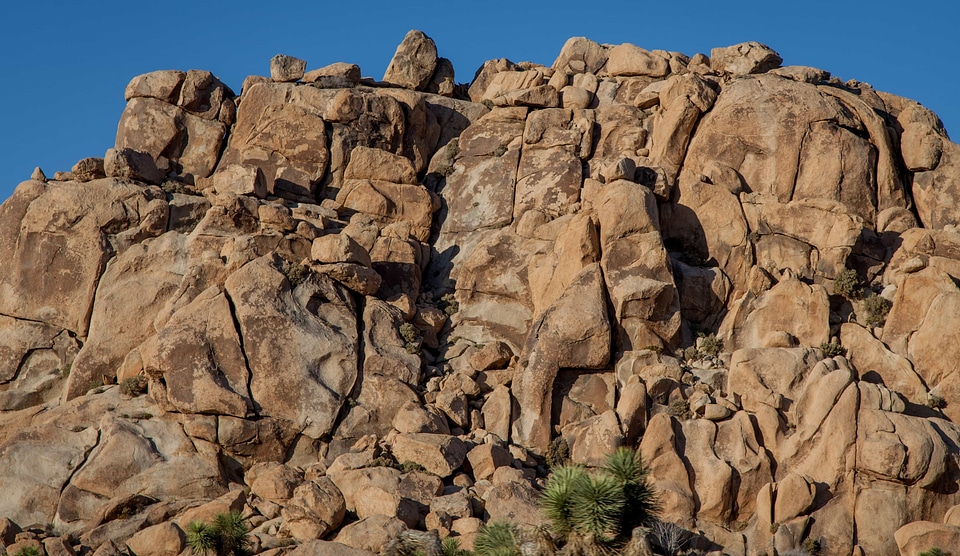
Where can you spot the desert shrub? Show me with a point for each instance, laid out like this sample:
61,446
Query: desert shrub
498,538
668,536
936,402
411,337
453,148
296,273
935,551
812,546
226,536
709,344
134,386
500,151
558,452
847,283
488,103
680,409
27,551
444,170
449,304
876,309
832,350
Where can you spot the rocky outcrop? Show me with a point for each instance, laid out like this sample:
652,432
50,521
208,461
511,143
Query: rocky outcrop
351,308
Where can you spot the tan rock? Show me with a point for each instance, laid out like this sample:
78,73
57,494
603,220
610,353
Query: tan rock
274,482
240,180
413,63
327,548
132,165
277,352
918,536
344,70
437,453
632,409
628,60
744,58
162,85
373,500
497,412
371,534
286,69
413,417
921,147
485,459
377,164
580,55
592,439
165,539
349,482
88,169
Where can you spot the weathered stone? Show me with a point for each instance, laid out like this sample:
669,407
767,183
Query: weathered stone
485,459
628,60
132,165
286,69
162,85
314,510
744,58
292,342
348,72
413,63
165,539
437,453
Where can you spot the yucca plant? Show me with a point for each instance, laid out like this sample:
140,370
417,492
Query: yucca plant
641,504
558,497
227,536
451,547
497,539
232,528
599,506
201,538
598,510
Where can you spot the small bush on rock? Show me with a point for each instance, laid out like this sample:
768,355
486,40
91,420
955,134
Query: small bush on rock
134,386
833,350
876,309
847,283
935,551
27,551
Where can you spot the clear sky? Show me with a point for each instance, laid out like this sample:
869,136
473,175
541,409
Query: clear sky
64,65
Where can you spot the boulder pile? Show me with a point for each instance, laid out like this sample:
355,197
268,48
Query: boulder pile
348,308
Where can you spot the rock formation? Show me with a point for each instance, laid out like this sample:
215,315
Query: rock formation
349,308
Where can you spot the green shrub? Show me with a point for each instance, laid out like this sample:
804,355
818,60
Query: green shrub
935,551
134,386
453,148
832,350
498,538
226,536
848,284
444,170
27,551
876,309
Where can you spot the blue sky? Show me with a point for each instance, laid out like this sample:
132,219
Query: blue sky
64,65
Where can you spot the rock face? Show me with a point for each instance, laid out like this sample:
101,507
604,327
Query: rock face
380,306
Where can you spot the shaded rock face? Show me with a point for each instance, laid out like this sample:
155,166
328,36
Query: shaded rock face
394,299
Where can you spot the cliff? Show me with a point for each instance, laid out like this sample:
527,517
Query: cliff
348,307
